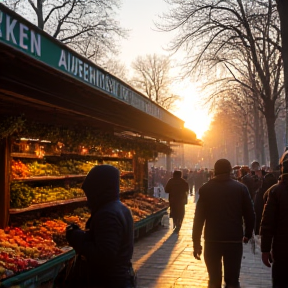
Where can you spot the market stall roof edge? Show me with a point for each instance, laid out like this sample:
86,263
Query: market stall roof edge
46,75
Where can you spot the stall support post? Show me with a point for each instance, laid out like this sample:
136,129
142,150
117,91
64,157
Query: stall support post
4,182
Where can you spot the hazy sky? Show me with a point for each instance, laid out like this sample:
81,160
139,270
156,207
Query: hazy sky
138,16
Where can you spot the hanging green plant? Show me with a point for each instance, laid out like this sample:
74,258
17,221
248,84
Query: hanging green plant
75,139
11,125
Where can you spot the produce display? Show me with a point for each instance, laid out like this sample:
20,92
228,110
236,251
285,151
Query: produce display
142,205
23,195
28,243
36,178
26,168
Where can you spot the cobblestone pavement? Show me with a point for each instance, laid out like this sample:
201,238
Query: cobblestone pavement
164,260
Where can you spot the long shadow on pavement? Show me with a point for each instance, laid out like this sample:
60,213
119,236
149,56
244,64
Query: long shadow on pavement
152,254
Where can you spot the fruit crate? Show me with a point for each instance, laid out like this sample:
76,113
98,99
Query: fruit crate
42,276
147,224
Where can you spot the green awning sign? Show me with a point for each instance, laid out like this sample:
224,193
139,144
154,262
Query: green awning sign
20,34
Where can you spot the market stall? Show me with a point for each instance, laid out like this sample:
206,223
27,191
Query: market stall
61,115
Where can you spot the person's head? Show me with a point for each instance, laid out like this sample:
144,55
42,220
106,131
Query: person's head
284,162
222,166
177,174
255,166
244,170
101,186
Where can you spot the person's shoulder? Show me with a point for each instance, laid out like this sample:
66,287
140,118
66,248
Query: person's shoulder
276,188
207,185
238,183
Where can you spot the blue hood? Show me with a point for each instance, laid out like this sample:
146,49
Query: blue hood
101,186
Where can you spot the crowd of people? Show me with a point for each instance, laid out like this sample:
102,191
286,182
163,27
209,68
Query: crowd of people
195,178
235,204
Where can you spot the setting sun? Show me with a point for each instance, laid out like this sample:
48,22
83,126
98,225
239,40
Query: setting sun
190,110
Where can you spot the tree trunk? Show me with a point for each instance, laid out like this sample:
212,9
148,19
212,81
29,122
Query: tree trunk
256,132
40,14
262,142
245,146
282,6
272,140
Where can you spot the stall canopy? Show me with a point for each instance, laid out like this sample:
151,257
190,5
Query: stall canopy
43,78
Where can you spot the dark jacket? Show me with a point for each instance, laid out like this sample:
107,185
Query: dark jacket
268,181
223,203
274,223
253,184
107,245
177,188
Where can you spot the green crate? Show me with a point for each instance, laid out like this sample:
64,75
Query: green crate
41,276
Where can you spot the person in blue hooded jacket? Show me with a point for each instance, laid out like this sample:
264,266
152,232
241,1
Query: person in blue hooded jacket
106,246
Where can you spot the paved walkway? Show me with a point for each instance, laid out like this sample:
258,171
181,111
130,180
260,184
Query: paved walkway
165,260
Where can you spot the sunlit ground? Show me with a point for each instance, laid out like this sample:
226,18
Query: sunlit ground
191,110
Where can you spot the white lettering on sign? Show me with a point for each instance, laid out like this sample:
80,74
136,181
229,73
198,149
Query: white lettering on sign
62,60
9,29
92,78
23,35
1,19
80,62
89,73
86,66
35,43
20,34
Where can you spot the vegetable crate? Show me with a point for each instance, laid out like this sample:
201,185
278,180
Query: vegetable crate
42,276
143,226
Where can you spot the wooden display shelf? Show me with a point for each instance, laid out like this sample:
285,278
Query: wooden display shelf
72,155
98,157
45,178
56,203
25,155
128,191
127,174
46,204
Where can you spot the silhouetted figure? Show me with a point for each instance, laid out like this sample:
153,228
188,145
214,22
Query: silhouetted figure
178,189
223,204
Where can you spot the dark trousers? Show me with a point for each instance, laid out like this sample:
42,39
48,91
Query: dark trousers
231,255
280,266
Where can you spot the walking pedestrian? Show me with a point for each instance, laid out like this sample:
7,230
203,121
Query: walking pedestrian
178,189
268,180
105,249
274,228
190,181
223,203
198,180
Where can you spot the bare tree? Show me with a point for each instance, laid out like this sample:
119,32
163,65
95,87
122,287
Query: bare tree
116,68
87,26
151,76
211,31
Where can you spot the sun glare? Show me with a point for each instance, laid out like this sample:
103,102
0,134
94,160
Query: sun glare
189,110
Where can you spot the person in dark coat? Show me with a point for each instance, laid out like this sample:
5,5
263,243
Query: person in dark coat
178,189
274,228
190,181
251,181
268,180
198,180
223,204
107,244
